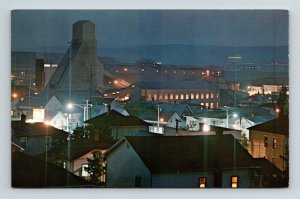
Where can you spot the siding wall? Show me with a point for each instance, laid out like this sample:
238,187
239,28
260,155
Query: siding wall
258,149
123,164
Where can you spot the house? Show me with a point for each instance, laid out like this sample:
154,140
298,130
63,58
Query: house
36,138
182,162
205,129
270,140
78,162
31,172
15,147
121,125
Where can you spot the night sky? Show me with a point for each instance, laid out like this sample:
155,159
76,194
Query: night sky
37,30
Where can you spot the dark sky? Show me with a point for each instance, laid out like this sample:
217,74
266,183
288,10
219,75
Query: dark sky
35,30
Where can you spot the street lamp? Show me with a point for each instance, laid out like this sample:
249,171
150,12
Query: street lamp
85,108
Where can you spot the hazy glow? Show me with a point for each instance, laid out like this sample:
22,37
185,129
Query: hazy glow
206,128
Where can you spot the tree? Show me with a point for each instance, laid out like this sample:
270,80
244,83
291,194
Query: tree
96,167
282,102
244,141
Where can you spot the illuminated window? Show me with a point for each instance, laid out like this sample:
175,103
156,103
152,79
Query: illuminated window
149,97
84,173
211,105
266,141
155,96
202,95
48,141
274,143
176,96
171,96
138,181
197,96
207,96
234,181
182,96
160,97
166,96
212,95
202,182
217,95
192,96
23,142
187,96
207,105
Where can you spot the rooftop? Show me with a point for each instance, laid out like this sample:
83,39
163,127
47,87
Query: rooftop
190,153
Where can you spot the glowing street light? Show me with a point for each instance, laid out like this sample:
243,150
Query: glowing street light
14,95
85,108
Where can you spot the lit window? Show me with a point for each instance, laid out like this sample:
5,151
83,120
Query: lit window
207,95
217,95
202,95
182,96
212,95
274,143
176,96
197,96
207,105
266,141
160,97
211,105
84,173
234,181
187,96
202,182
149,97
171,96
155,96
166,96
192,96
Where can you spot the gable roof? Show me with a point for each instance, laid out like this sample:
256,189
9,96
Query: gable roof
113,118
189,153
30,172
34,129
279,125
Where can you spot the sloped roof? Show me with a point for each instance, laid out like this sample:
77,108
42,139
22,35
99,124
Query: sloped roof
279,125
113,118
34,129
30,172
191,153
211,114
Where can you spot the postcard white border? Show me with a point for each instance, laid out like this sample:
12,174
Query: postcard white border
7,192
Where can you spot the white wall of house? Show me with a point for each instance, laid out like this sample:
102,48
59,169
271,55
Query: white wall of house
222,122
192,123
59,121
123,164
172,121
53,104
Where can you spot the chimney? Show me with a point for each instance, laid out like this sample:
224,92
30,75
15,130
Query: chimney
39,74
177,125
23,120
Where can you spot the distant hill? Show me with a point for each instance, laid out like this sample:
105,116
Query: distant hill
198,55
